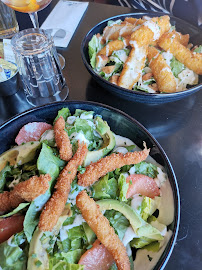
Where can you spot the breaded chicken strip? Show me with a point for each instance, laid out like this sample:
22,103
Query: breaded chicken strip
124,29
113,45
55,205
134,21
151,30
190,59
24,191
183,39
62,139
108,164
132,69
161,71
101,227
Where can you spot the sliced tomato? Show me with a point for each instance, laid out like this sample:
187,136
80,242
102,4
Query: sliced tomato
10,226
31,132
142,184
97,257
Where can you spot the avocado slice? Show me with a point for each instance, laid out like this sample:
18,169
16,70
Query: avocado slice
108,142
140,227
19,154
38,256
89,233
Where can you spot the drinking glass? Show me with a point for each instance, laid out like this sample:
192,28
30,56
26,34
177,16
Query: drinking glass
8,23
28,6
39,67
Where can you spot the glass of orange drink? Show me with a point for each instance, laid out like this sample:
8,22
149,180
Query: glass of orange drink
28,6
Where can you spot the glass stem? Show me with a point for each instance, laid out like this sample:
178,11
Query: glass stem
34,19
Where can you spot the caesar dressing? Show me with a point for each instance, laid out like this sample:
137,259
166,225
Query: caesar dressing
168,57
166,204
146,260
154,28
79,137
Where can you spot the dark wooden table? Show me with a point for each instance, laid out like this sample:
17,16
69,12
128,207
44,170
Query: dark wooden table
177,126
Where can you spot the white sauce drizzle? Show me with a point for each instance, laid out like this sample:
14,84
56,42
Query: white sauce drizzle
154,28
79,136
120,149
168,57
129,235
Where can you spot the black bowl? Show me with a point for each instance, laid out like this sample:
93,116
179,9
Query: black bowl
181,26
129,128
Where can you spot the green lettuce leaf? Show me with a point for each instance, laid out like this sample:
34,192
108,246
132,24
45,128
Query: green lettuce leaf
72,256
16,210
64,112
146,169
93,47
47,163
176,66
13,257
122,187
141,242
78,112
3,175
148,207
58,264
105,188
118,222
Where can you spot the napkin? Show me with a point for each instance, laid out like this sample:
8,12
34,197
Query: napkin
66,16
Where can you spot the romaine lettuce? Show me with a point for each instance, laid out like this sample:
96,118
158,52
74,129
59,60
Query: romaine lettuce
93,47
145,168
64,112
47,163
3,175
11,255
176,66
105,188
118,222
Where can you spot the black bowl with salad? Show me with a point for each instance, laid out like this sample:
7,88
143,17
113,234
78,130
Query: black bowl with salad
146,88
139,201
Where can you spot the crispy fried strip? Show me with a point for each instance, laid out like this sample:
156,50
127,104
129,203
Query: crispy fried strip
113,45
101,227
192,60
134,20
133,68
161,71
108,164
55,205
151,30
24,191
183,39
62,139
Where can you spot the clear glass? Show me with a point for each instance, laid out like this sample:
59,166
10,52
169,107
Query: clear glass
8,23
39,67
